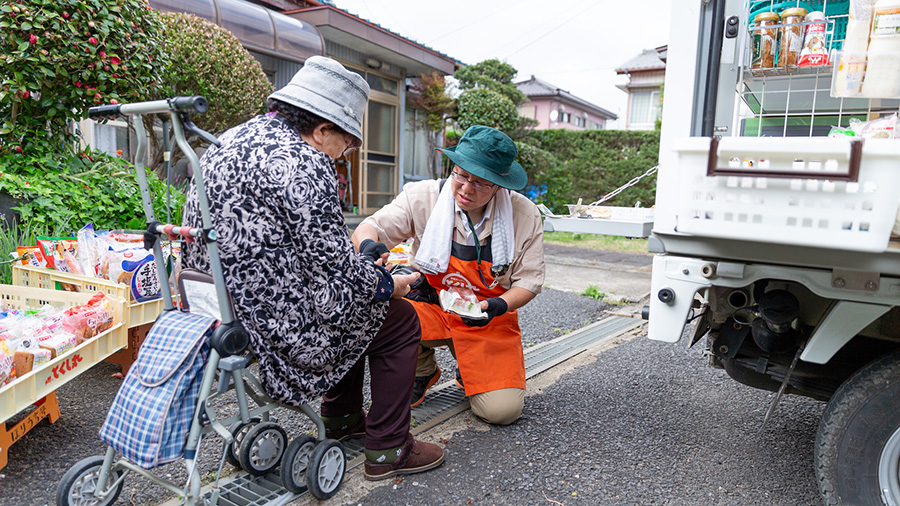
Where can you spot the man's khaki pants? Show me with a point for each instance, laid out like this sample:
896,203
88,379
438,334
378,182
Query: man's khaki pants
498,407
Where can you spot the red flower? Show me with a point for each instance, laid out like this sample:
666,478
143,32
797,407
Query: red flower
102,54
118,151
115,60
32,39
115,76
114,102
78,84
65,15
19,150
26,94
92,40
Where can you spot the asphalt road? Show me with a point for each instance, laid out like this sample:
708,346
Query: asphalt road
639,423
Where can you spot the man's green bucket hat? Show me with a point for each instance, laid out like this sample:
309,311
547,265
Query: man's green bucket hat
489,154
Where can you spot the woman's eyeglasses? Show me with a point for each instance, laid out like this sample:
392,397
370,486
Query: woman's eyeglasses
481,187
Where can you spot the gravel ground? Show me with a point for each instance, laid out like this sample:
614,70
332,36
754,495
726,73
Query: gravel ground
640,423
38,461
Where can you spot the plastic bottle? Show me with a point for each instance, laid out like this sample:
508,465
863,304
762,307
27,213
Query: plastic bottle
883,65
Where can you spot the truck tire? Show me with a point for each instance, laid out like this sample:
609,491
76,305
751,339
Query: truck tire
857,452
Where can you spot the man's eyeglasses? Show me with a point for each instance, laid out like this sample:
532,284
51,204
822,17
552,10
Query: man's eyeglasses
481,187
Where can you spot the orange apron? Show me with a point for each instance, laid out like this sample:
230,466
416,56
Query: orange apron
491,357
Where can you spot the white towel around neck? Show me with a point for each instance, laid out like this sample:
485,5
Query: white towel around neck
433,255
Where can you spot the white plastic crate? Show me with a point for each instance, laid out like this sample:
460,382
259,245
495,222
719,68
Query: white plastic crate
46,378
800,191
136,313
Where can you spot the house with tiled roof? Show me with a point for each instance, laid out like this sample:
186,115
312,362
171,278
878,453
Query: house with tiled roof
282,34
645,75
553,107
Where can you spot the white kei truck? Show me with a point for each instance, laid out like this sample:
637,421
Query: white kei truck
773,236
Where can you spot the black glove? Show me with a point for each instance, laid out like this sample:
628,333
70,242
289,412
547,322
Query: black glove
372,249
496,307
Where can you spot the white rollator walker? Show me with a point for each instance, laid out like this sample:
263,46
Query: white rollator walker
251,440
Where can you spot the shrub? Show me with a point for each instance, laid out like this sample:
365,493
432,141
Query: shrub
62,194
483,106
62,56
593,163
210,61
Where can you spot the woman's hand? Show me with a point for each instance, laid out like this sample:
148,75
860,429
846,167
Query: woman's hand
401,284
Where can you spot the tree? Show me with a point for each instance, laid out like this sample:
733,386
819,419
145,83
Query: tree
490,97
428,94
493,75
62,56
208,60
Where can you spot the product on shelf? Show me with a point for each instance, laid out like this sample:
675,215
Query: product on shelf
815,50
791,36
883,66
764,40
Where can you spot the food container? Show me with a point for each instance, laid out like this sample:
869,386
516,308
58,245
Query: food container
814,51
791,36
883,68
764,40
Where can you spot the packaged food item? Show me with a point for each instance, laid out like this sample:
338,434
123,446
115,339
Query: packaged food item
135,267
461,301
814,51
764,40
851,66
27,361
54,247
89,320
59,343
88,250
791,36
7,365
881,128
31,255
883,66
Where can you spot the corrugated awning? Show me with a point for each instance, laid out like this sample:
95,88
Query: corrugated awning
259,29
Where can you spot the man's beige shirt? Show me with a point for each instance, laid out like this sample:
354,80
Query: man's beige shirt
408,214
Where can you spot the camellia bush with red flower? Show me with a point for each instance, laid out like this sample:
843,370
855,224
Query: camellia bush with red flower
58,58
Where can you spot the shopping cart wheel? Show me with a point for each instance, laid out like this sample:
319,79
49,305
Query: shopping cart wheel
78,485
327,465
262,447
238,430
295,463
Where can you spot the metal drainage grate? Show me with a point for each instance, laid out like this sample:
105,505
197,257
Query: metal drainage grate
442,402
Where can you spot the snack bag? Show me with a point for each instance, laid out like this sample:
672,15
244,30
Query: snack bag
54,247
31,255
30,355
136,268
462,301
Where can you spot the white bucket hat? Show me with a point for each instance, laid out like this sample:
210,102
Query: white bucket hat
325,88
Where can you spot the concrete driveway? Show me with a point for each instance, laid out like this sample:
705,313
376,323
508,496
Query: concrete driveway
622,276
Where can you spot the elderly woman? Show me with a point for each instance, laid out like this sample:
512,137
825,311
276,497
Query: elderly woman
314,308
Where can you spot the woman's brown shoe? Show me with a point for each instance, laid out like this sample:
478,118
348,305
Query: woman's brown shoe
415,457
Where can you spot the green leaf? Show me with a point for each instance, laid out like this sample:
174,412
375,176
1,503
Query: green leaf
25,26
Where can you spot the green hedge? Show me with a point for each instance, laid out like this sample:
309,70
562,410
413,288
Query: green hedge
589,164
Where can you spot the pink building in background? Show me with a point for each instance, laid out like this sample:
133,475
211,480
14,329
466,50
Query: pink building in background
556,108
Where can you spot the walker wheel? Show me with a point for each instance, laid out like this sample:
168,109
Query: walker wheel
78,485
262,447
238,430
295,463
327,465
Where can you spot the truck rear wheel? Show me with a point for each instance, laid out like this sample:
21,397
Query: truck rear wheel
858,442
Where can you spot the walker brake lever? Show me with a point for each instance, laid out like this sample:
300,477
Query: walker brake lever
193,129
